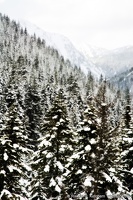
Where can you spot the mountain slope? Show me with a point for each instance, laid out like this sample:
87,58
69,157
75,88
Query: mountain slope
111,62
91,51
115,61
124,80
116,64
65,48
89,58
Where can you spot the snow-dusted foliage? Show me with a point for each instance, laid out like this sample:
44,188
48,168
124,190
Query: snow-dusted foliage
82,165
63,134
55,146
127,143
12,149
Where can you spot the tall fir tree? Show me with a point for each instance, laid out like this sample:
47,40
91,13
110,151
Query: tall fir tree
33,112
55,147
127,143
82,164
109,181
12,152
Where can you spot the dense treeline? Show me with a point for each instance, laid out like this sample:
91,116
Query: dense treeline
63,134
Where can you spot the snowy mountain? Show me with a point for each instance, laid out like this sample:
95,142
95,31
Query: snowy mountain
89,58
65,48
115,61
92,52
124,80
55,122
116,64
111,62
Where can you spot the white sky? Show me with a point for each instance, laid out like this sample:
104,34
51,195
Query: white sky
103,23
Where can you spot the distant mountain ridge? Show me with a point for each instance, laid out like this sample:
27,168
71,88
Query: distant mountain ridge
116,64
115,61
91,51
89,58
65,48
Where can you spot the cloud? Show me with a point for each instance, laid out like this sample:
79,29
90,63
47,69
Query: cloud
90,20
1,1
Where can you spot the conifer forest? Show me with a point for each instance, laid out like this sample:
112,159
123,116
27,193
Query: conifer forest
64,134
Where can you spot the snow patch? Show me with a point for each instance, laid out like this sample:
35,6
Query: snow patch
46,169
75,156
131,149
45,143
112,169
54,128
61,120
3,142
5,192
15,128
84,167
109,193
55,117
89,121
79,171
124,153
52,182
28,168
107,177
86,111
93,141
88,180
104,104
15,146
93,155
37,184
57,188
129,140
60,166
87,129
62,149
13,168
88,148
49,155
5,156
2,172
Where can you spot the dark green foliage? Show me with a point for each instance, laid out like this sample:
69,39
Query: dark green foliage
82,163
79,150
55,147
33,112
127,143
12,149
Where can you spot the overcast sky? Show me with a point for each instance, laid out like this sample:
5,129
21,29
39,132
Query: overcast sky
103,23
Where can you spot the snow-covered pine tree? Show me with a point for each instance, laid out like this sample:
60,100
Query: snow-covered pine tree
108,181
127,143
54,148
89,84
82,164
75,102
12,151
33,112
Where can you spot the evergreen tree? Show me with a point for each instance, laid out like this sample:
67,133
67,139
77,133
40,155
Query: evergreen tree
93,167
54,149
82,164
75,102
89,84
33,112
108,152
127,143
12,151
